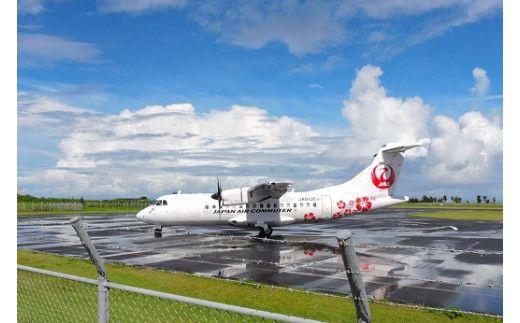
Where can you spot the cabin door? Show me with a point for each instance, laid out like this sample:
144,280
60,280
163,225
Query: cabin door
326,205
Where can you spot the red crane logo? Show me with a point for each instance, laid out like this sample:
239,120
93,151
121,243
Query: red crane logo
383,176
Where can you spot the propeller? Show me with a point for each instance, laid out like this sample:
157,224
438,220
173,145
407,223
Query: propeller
218,196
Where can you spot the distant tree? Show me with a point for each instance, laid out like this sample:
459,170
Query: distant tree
485,198
444,198
479,199
81,200
143,198
494,200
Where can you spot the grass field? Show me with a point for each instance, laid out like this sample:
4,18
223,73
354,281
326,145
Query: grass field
261,297
467,215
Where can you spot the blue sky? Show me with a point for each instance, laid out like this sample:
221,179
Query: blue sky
130,98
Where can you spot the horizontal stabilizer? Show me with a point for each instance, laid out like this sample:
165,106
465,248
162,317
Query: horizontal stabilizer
398,149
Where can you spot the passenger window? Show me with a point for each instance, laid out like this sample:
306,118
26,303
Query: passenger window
274,205
301,204
314,204
254,205
295,205
308,204
213,206
207,207
268,205
261,205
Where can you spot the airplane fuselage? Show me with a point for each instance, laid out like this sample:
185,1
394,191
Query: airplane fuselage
270,204
293,207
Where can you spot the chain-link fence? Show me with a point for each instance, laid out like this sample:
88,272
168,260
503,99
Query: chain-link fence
79,206
50,298
45,296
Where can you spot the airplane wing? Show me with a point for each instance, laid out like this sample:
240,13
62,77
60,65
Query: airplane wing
265,191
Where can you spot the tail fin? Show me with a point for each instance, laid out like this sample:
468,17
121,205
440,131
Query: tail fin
380,178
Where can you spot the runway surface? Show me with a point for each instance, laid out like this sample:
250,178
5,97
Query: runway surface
440,263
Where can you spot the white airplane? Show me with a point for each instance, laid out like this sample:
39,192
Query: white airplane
269,205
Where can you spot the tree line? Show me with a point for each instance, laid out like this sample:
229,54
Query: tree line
30,198
481,199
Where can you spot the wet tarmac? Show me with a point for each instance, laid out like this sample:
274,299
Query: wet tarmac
426,262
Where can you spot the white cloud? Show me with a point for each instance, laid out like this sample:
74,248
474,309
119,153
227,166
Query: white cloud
29,104
464,151
460,151
305,27
159,149
37,48
178,128
139,6
30,6
481,82
376,118
41,112
315,26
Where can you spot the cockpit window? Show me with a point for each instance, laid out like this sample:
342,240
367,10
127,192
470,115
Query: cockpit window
160,202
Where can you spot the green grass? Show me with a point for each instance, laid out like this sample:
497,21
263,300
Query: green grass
87,211
261,297
450,205
466,215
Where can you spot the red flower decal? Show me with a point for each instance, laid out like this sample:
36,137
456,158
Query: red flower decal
367,266
341,205
336,215
309,251
309,217
348,212
363,204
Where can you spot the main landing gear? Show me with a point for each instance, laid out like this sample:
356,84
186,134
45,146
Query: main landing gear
265,231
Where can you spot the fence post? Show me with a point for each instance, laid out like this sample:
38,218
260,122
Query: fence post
100,266
348,253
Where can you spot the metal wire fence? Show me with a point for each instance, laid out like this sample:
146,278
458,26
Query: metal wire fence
50,298
77,206
45,296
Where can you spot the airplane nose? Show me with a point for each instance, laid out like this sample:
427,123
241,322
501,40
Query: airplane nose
140,215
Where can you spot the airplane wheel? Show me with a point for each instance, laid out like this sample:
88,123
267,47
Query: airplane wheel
157,232
265,232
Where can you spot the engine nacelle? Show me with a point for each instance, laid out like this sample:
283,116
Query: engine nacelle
234,196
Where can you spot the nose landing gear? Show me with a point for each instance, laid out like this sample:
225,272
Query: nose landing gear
157,231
